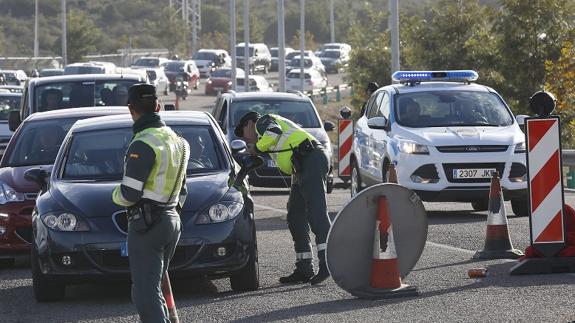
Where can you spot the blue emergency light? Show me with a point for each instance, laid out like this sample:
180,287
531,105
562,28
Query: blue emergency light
430,76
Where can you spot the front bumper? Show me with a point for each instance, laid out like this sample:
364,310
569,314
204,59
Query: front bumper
449,189
17,238
97,256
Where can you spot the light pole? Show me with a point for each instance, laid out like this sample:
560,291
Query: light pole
36,47
247,45
233,40
302,43
64,35
281,47
394,26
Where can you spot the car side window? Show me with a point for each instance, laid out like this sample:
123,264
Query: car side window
384,105
374,105
223,115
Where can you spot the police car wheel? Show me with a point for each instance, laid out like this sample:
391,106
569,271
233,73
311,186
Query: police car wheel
248,278
355,178
480,205
520,207
45,290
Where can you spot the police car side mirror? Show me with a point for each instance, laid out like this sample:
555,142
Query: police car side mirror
328,126
378,123
521,121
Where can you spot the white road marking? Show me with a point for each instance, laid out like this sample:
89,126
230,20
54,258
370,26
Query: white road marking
270,208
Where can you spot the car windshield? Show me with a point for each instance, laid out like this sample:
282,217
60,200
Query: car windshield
300,112
204,56
296,62
38,142
151,62
331,54
7,103
240,50
451,109
99,155
296,75
69,70
175,66
75,94
222,72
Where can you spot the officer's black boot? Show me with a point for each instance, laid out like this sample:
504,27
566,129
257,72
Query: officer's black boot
302,274
323,273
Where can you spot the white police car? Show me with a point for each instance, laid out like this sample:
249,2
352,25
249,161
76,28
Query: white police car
446,135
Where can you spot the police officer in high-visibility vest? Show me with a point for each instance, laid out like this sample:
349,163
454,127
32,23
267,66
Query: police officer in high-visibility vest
152,189
296,153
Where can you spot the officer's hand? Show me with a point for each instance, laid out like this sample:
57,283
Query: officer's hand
252,149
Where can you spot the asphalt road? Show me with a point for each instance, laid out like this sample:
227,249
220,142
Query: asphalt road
455,232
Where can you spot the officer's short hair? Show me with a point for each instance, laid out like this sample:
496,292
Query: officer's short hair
142,97
250,116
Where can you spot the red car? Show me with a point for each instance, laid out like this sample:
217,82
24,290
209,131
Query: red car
35,144
221,80
187,69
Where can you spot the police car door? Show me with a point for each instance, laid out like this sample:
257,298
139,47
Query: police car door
371,163
378,137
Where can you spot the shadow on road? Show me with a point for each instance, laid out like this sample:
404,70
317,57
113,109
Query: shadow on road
269,192
452,217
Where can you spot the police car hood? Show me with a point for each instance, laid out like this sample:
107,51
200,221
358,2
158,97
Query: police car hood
94,199
459,136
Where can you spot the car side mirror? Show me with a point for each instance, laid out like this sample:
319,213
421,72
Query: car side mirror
328,126
14,120
248,163
521,121
378,123
38,176
238,146
169,107
363,108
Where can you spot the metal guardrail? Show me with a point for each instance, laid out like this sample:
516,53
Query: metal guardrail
328,89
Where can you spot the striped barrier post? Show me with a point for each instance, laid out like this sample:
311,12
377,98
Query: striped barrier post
545,184
345,138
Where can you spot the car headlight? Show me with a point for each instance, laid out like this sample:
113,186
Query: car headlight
220,212
8,194
64,222
520,148
209,81
410,147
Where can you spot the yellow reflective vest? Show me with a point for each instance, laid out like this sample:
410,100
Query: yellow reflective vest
278,136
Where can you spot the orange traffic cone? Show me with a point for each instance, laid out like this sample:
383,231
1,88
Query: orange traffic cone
497,242
384,266
167,292
392,174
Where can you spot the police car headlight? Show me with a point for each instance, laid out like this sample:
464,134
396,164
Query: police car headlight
520,148
64,222
410,147
220,212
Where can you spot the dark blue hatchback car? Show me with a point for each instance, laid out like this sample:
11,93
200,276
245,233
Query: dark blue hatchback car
79,234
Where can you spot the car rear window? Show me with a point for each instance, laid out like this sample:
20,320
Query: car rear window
150,62
38,142
451,109
300,112
99,154
7,103
75,94
204,56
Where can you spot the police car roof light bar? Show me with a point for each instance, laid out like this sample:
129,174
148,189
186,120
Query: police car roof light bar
431,76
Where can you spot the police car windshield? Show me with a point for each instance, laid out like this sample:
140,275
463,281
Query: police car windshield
300,112
451,109
38,142
99,155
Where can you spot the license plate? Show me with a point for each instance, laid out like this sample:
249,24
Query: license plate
124,248
271,163
473,173
218,88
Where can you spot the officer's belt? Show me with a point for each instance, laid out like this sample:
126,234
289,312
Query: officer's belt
314,143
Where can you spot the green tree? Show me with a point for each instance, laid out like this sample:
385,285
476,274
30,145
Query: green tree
82,36
171,32
560,80
309,41
531,32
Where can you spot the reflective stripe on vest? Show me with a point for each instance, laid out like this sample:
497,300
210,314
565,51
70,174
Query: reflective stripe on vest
168,153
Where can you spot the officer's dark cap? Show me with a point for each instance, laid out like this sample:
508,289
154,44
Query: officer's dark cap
141,92
252,115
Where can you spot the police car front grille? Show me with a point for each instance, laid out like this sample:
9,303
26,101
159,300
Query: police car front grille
473,149
448,168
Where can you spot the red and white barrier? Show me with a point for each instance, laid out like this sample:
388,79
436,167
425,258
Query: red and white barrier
545,184
345,139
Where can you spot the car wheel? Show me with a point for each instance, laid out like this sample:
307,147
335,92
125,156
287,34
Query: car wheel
520,207
481,205
7,263
355,179
248,278
45,290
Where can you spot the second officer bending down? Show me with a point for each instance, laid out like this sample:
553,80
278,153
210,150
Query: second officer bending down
296,153
153,186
